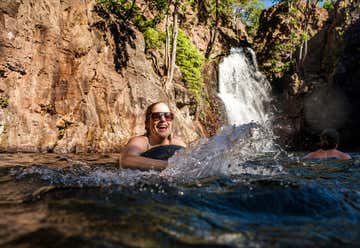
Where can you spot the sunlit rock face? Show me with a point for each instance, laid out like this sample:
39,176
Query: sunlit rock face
70,82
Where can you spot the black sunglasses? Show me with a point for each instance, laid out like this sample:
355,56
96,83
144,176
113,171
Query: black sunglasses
156,116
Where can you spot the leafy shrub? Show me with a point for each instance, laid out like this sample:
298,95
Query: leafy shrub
121,8
328,5
153,38
190,61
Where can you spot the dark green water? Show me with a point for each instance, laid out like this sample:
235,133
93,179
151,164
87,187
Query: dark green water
85,201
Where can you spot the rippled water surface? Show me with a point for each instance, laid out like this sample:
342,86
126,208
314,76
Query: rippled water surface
49,200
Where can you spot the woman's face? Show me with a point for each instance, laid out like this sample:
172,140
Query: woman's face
160,123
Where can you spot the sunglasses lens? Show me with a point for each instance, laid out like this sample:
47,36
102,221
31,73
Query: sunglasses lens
156,116
169,116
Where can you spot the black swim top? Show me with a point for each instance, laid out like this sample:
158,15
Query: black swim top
161,152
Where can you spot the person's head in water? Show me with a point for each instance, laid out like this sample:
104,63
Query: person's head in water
158,120
329,139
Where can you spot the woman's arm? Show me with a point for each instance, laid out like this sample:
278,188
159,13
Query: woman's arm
131,158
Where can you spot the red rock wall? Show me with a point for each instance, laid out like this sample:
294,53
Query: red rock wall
59,88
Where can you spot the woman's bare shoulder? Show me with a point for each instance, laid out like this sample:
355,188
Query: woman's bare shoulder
140,138
138,143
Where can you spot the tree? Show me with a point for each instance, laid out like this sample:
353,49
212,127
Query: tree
213,30
171,68
309,8
249,13
307,11
218,12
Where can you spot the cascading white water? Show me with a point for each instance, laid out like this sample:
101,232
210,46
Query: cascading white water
242,87
245,92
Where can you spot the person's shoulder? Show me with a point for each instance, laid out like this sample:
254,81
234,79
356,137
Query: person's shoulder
140,138
343,155
314,154
177,141
140,142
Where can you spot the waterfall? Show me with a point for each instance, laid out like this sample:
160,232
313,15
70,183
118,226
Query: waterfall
243,89
246,95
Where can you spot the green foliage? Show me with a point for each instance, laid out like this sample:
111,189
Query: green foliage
304,36
221,9
329,5
294,22
221,12
61,130
225,8
192,3
286,67
128,11
278,47
249,12
287,47
160,5
190,61
143,23
121,8
282,56
153,38
277,68
125,9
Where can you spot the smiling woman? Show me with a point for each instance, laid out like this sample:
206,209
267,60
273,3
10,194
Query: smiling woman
158,126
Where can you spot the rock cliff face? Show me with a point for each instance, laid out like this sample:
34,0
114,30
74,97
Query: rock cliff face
346,75
331,72
72,82
318,92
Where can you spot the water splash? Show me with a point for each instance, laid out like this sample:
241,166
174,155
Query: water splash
245,92
223,154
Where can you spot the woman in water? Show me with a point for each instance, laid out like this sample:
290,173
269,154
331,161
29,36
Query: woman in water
329,140
158,126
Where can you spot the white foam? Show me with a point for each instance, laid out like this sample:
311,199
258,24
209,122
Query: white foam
222,154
